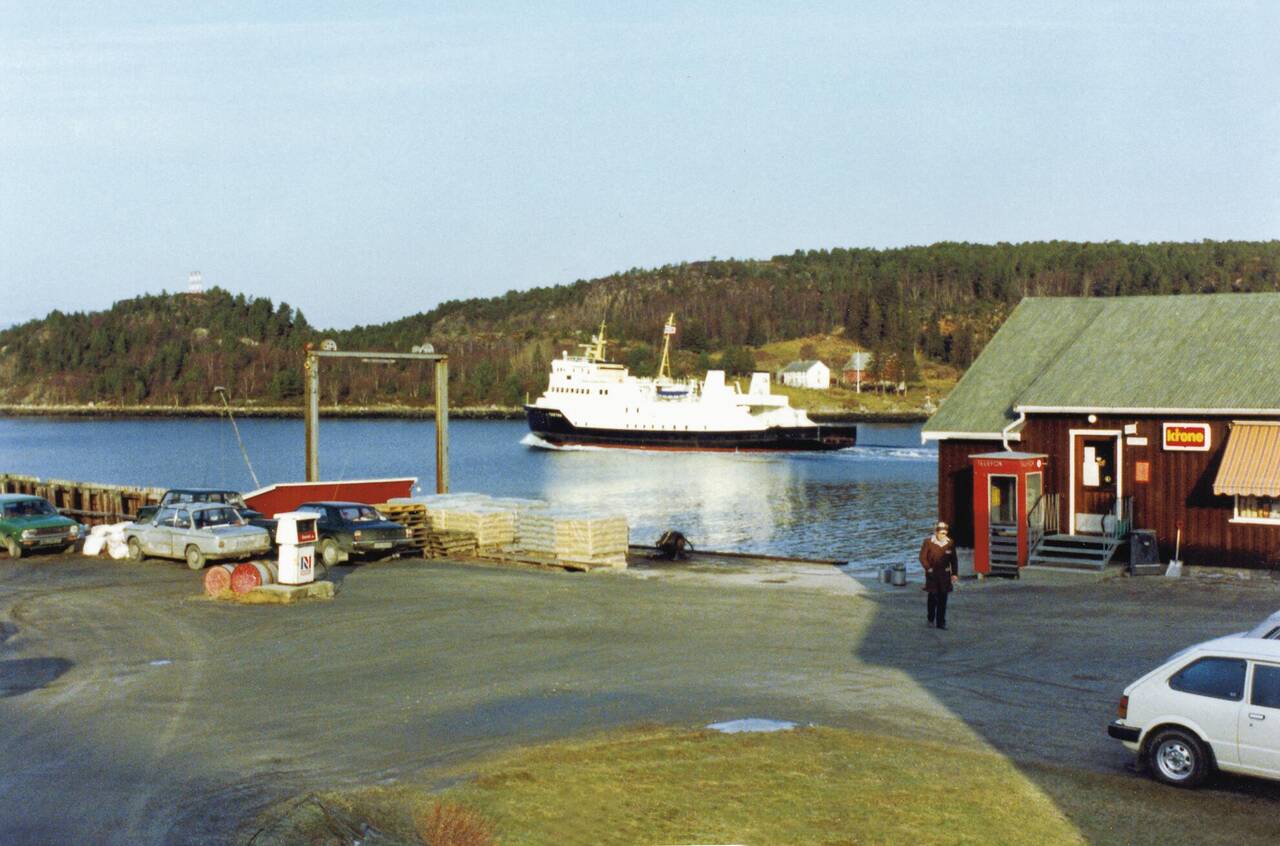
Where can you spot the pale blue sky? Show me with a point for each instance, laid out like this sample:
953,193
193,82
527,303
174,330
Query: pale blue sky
365,161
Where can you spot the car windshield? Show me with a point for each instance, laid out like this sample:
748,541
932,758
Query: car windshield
210,517
359,514
28,508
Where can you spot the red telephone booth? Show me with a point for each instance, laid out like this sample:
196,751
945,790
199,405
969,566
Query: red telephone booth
1006,485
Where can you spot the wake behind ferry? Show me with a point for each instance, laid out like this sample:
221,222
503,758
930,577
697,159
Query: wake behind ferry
591,401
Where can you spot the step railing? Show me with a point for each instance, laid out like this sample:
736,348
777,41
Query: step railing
1042,520
1119,523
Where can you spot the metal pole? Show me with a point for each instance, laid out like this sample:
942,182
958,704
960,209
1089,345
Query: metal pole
312,424
442,426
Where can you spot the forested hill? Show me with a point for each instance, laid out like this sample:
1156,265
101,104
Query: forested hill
940,302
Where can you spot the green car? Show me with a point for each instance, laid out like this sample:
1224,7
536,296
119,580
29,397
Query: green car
31,524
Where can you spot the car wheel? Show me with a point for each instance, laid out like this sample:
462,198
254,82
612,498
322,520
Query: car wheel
14,548
330,554
195,558
1178,758
135,550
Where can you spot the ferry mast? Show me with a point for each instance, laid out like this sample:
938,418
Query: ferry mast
664,369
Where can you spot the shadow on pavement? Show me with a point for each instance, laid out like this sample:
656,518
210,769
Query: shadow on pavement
1036,672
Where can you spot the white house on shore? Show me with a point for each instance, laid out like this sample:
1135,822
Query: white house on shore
806,374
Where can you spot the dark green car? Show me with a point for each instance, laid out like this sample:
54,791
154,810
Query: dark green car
31,524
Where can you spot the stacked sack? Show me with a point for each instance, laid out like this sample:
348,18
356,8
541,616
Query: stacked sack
573,536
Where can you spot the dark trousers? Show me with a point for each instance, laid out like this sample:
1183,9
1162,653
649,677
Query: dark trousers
938,607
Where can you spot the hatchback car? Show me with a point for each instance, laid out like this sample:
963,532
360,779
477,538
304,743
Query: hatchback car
349,529
196,532
31,524
1268,628
1215,705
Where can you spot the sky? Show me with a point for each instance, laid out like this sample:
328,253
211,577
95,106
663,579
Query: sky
367,161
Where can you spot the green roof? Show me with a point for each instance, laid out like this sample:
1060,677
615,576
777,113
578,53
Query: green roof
1201,353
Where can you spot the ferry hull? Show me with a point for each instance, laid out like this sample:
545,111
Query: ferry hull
554,428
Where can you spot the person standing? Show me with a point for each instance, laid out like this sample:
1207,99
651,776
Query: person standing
941,570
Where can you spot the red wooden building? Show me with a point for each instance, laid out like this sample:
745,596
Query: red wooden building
1150,414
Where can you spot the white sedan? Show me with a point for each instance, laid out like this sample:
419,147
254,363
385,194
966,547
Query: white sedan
1215,705
196,532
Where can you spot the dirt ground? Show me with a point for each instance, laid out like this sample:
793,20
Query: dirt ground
134,710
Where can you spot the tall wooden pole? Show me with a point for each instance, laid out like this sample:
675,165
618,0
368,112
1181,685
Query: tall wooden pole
312,425
442,426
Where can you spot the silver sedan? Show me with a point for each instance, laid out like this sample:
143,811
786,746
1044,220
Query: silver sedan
197,532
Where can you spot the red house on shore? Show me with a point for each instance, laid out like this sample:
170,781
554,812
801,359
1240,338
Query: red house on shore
1087,419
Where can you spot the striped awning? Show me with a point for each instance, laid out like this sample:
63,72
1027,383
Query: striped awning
1251,461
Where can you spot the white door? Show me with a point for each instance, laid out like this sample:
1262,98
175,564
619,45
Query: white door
1260,721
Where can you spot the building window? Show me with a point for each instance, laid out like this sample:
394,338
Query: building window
1259,509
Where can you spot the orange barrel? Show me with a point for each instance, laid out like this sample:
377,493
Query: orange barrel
251,574
218,578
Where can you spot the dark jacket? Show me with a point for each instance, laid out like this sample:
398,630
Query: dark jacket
939,563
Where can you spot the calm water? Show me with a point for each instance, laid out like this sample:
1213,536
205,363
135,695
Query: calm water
870,505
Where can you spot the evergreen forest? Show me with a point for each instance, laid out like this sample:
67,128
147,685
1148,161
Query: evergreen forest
908,305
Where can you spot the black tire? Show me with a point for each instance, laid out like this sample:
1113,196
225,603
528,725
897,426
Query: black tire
135,550
330,552
195,558
1178,758
14,548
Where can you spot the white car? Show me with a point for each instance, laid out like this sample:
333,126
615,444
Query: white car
1215,705
1268,628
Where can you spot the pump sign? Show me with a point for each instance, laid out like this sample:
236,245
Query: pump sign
1186,437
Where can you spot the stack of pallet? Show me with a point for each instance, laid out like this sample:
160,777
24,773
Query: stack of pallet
576,538
447,544
411,515
434,543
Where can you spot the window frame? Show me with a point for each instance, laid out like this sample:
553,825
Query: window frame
1245,681
1256,521
1253,683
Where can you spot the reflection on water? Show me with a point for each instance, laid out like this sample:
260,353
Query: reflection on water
870,504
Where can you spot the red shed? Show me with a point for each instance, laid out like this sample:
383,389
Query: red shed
1152,415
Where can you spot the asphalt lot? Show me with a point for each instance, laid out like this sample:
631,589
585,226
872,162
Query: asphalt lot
137,711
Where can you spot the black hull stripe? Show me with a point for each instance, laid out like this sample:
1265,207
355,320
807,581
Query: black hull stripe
553,428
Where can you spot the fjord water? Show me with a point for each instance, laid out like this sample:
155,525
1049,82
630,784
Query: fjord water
868,505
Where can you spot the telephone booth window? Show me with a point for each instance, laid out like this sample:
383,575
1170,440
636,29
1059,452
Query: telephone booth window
1035,486
1003,499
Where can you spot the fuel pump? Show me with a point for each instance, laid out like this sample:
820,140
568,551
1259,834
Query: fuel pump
296,536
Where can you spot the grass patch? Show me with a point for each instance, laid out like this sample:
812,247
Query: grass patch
808,786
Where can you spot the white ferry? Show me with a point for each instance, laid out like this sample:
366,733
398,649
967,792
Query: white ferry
591,401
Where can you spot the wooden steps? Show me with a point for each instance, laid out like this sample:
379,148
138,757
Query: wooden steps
1091,553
